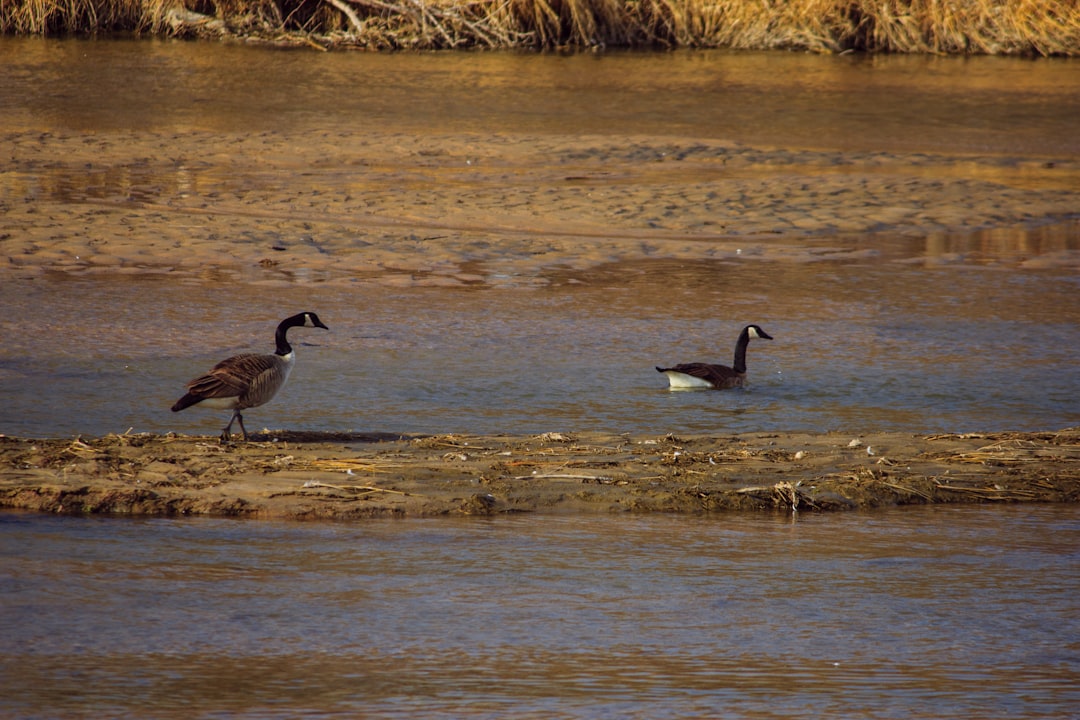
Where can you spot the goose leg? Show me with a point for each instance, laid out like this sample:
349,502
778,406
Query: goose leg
240,419
226,434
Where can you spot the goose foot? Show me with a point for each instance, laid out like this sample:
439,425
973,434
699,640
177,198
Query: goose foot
226,434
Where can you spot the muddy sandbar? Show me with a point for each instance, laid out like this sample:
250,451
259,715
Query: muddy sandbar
291,475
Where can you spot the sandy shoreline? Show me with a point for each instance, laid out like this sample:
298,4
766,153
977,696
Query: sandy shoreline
305,476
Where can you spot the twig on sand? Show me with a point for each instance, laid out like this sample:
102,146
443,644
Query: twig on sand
78,447
352,488
912,491
348,465
561,476
783,492
990,493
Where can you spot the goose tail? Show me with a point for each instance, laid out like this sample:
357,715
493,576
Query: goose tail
185,402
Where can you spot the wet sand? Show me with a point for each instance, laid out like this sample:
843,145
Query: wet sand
304,476
500,211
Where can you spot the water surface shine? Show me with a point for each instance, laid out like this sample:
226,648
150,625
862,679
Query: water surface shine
887,103
923,612
898,332
926,351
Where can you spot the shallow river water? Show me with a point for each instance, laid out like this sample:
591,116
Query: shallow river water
855,349
950,612
510,242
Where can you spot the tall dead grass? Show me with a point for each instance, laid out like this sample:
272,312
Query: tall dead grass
1030,27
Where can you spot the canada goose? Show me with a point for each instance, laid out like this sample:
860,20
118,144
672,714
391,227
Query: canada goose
702,375
248,380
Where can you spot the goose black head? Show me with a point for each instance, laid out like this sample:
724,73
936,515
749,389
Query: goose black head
755,331
312,320
304,319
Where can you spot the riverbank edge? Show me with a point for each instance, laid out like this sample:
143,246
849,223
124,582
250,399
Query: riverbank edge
288,475
985,27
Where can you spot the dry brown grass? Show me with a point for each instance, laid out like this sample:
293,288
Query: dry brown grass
1030,27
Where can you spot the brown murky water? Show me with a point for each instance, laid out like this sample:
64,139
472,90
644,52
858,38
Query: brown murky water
949,612
1001,106
509,243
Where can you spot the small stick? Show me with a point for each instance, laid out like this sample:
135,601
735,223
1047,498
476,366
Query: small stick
991,493
913,491
550,476
367,488
354,19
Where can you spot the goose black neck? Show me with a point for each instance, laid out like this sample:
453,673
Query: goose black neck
283,346
740,351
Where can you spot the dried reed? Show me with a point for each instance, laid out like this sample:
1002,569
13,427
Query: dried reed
1029,27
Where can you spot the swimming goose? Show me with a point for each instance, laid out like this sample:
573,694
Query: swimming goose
702,375
248,380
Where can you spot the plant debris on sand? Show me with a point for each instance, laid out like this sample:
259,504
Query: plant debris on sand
293,475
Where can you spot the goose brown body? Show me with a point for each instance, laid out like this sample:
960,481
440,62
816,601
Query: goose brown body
248,380
721,377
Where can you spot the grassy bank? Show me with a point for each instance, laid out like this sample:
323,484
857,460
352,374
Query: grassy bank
1025,27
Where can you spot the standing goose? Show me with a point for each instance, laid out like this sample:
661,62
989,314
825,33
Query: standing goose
703,375
248,380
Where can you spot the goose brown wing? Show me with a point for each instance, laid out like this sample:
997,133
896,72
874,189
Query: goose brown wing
230,377
716,374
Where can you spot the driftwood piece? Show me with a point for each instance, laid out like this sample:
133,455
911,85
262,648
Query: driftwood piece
354,19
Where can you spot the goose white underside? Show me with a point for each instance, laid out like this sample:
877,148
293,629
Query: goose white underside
682,381
228,403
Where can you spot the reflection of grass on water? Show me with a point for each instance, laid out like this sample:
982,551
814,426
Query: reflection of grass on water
1031,27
